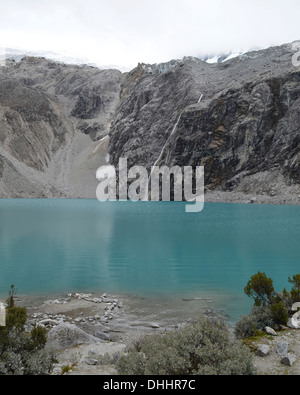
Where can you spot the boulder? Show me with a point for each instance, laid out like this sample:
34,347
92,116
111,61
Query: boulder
102,336
270,331
282,348
67,335
289,360
263,350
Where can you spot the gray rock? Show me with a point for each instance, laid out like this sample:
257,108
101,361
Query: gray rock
49,321
67,335
102,336
289,360
79,319
154,326
57,370
263,350
92,358
282,348
270,331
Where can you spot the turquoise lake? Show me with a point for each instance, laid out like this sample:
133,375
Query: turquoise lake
146,248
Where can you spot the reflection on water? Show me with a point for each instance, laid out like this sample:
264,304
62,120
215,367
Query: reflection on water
60,246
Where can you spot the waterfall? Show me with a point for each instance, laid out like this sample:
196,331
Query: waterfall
164,147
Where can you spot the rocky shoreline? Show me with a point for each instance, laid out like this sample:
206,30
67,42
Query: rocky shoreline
283,198
88,332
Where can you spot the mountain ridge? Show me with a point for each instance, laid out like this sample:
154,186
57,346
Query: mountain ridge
244,130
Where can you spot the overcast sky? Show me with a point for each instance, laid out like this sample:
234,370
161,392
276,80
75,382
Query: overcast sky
125,32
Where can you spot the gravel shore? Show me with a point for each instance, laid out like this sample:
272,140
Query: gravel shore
88,332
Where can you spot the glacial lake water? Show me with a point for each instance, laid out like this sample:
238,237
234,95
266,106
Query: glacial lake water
148,249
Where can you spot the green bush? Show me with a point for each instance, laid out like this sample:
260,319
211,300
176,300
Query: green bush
295,291
260,288
201,349
270,307
23,353
257,320
279,313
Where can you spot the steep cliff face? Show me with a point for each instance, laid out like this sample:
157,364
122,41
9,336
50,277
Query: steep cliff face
244,131
246,124
32,126
240,119
52,120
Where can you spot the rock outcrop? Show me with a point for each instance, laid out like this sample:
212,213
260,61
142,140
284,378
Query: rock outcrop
52,120
239,119
246,123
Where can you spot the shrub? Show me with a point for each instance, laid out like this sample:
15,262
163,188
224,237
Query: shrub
295,291
23,353
257,320
201,349
270,308
245,328
260,288
279,313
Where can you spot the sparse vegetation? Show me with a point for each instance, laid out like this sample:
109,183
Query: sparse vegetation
22,353
201,349
270,307
261,289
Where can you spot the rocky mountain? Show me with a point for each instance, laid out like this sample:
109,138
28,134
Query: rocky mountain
53,118
245,130
238,118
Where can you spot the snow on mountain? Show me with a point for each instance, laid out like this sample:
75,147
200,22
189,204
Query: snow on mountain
220,58
18,54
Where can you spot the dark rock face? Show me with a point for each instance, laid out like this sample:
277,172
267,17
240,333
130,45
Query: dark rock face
150,105
242,132
31,127
246,123
239,119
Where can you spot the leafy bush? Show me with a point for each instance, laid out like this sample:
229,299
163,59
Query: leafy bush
257,320
260,288
270,307
245,328
295,291
23,353
201,349
279,313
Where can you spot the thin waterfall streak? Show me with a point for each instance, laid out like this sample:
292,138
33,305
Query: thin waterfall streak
163,150
164,147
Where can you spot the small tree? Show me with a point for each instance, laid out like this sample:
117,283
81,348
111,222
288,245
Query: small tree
22,353
261,289
11,299
295,291
279,313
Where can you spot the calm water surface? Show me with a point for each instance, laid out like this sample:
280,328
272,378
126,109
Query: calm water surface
59,246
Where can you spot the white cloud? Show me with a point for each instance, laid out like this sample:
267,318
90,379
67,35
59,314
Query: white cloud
127,32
